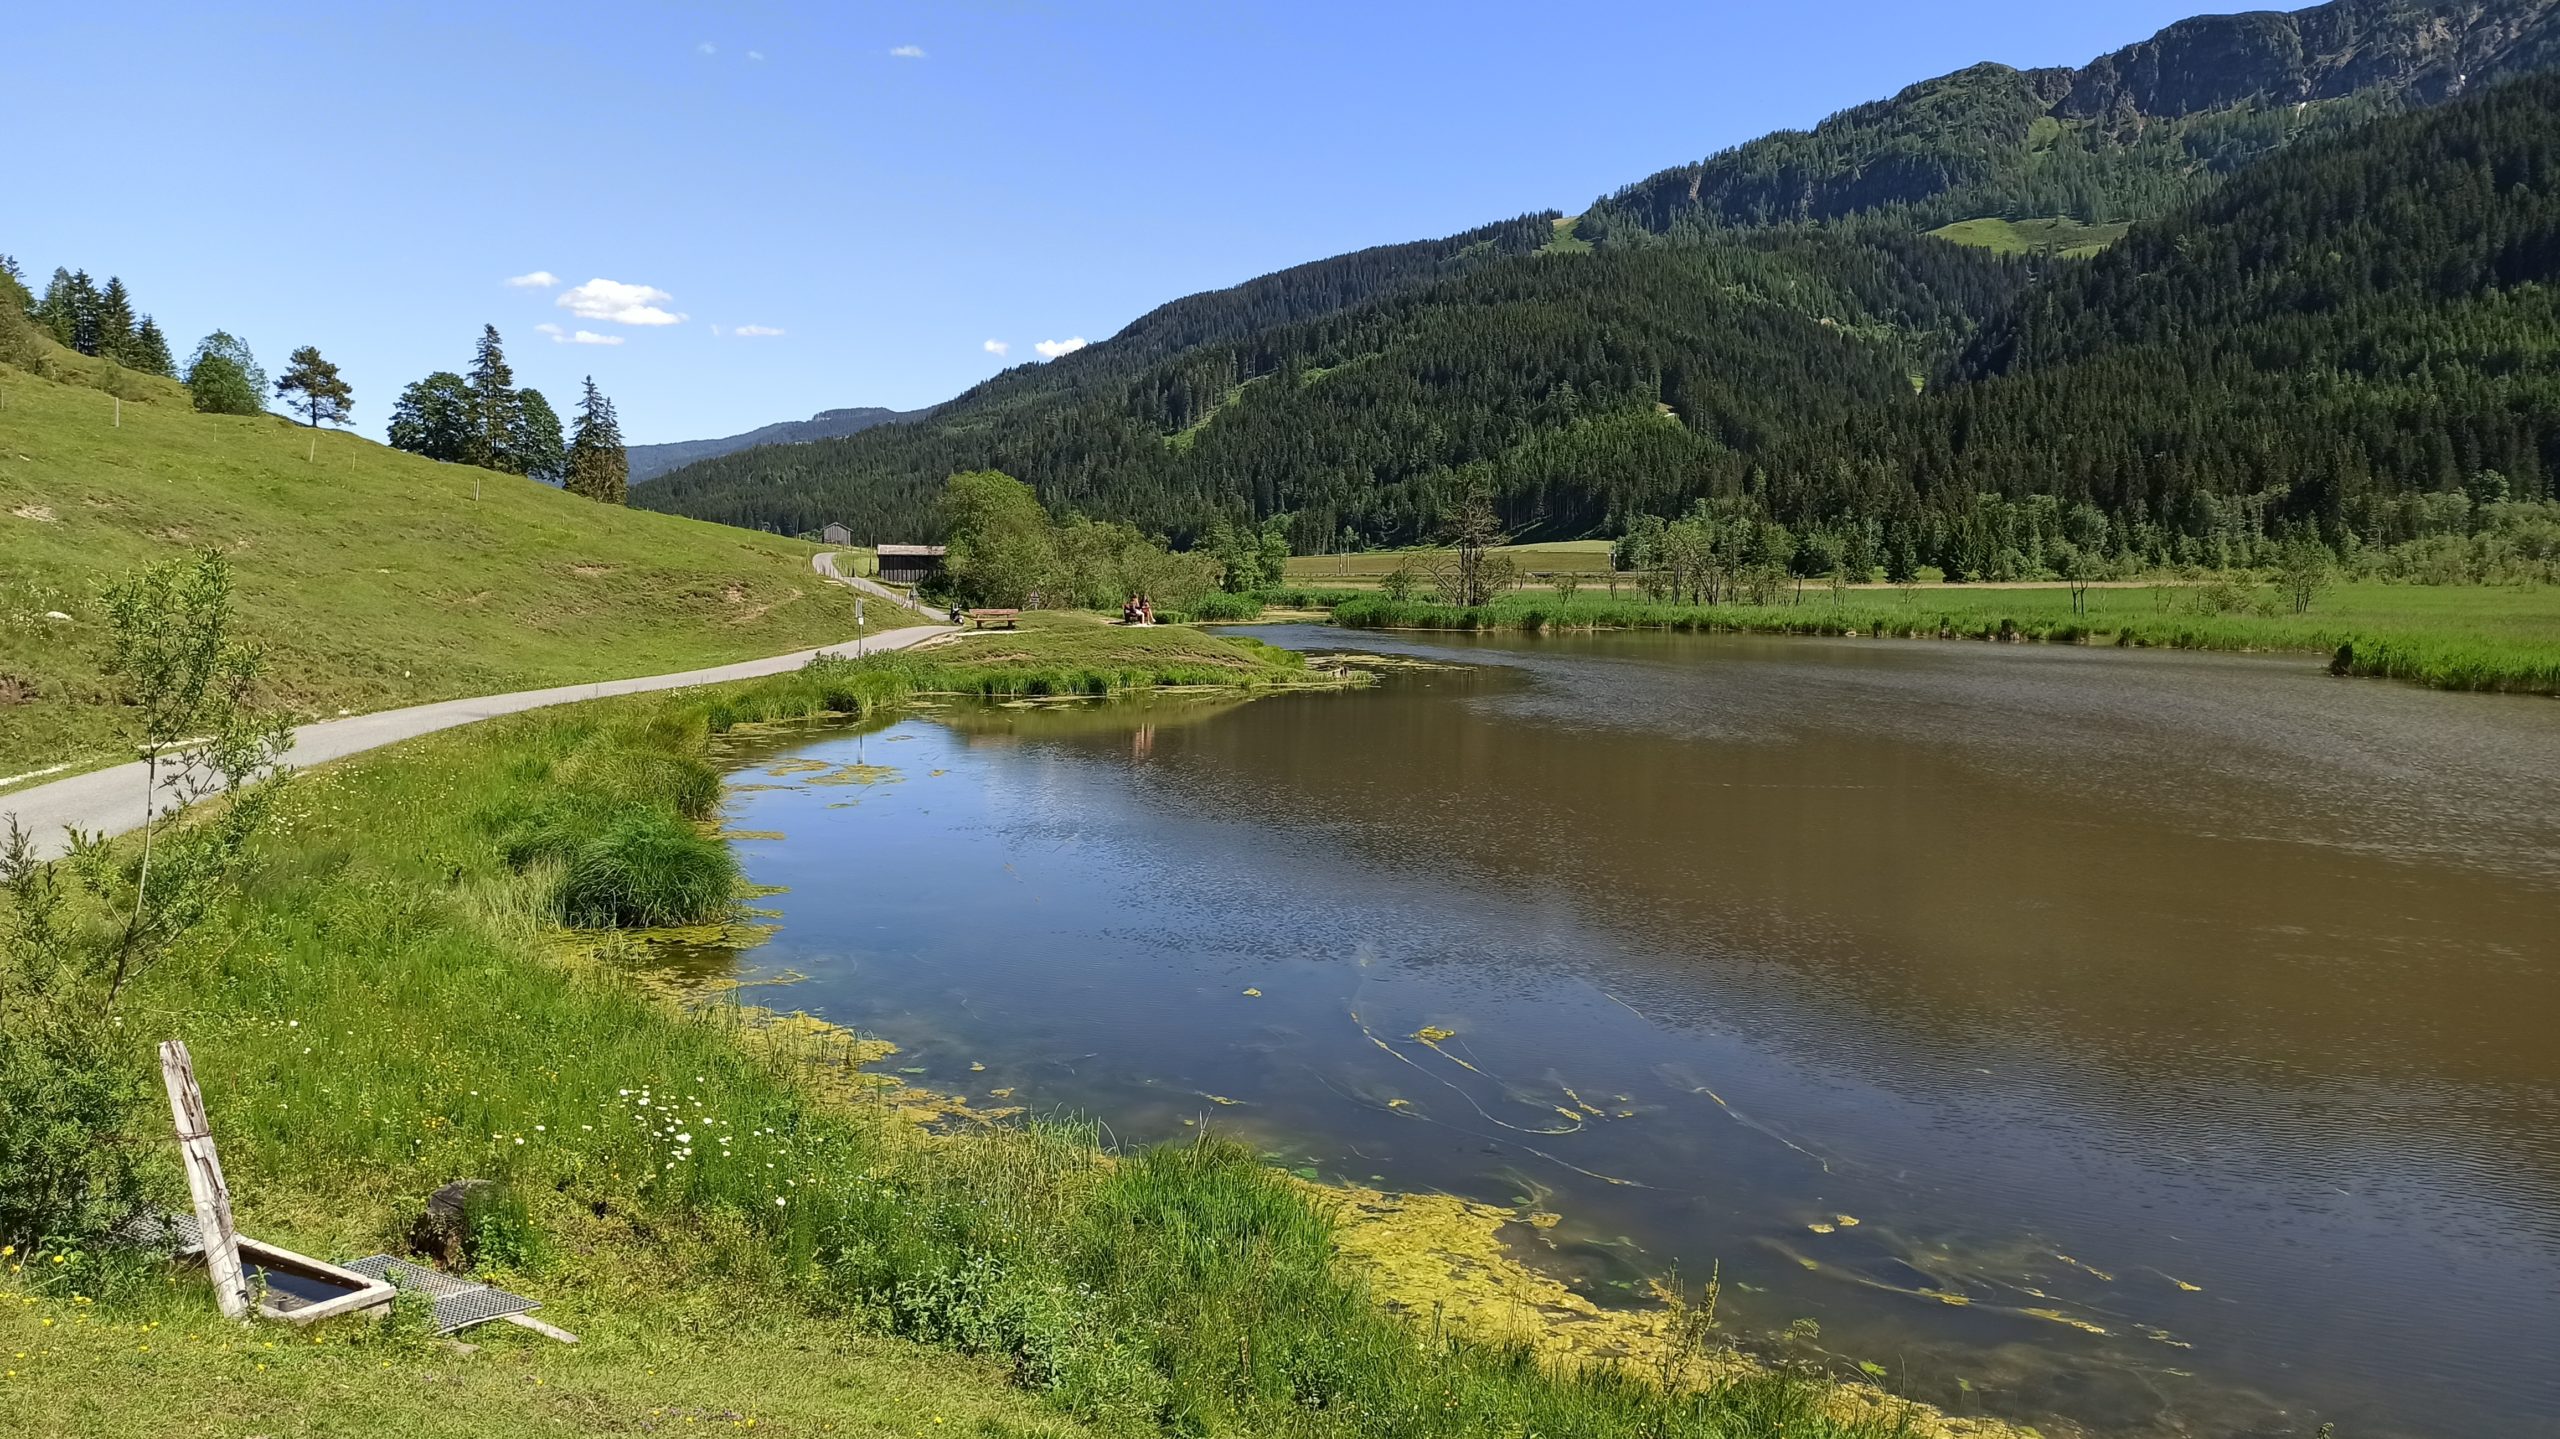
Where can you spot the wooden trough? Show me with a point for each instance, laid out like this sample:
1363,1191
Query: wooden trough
279,1284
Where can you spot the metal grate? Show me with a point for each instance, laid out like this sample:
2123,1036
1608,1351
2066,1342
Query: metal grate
160,1229
459,1303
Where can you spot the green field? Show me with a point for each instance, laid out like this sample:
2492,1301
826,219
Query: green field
2061,235
1566,242
1363,570
747,1226
374,578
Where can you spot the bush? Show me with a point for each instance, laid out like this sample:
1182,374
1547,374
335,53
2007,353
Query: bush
221,387
1220,605
72,1112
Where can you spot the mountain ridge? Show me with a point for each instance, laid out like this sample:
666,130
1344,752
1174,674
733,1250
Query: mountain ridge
650,461
1370,406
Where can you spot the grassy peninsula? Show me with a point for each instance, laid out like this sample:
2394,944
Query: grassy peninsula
2491,638
372,578
749,1230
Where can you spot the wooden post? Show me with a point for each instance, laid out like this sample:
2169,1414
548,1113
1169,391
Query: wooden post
204,1181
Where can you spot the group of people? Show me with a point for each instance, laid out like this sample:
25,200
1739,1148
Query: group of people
1138,611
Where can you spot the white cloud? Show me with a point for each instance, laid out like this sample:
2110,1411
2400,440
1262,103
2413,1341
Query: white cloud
996,347
755,331
706,48
621,304
1052,349
755,54
538,280
579,337
909,52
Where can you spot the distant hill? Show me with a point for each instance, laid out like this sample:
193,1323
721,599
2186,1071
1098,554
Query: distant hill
650,461
2125,136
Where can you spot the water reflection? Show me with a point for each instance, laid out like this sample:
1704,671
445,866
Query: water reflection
2175,1030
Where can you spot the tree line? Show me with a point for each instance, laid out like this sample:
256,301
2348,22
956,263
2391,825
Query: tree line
222,376
482,418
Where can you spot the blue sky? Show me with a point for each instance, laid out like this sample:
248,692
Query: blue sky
890,187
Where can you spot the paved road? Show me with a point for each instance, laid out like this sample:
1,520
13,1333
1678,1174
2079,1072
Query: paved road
111,800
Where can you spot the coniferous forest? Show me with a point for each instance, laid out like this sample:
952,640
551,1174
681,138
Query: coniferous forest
2333,319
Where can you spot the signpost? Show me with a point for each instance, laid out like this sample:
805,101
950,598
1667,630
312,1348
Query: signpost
857,626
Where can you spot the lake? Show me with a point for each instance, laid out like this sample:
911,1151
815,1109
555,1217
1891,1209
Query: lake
2153,1042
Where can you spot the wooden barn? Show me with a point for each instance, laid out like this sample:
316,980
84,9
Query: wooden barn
910,564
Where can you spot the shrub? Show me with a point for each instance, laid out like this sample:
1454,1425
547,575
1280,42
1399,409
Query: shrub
221,387
645,868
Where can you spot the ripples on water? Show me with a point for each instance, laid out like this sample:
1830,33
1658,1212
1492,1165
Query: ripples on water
2190,1017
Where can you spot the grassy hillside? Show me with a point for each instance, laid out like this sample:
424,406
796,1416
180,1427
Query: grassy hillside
374,578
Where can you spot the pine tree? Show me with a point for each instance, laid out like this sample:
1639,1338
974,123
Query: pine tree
114,326
312,386
151,350
59,311
87,334
598,467
493,407
15,298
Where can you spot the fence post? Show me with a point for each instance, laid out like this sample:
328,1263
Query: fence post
204,1181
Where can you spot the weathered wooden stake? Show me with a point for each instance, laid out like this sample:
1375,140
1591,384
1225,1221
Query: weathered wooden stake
204,1181
119,412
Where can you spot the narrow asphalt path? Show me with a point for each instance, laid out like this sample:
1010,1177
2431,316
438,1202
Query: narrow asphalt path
112,800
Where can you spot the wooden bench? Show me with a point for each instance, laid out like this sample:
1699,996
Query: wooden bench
988,617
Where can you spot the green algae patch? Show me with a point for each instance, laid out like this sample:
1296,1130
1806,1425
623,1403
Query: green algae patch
1437,1258
752,834
857,774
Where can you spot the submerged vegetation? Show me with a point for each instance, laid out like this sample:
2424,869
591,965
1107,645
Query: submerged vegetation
382,1009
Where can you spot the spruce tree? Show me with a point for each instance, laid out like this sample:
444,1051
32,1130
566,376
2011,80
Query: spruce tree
15,298
87,334
151,350
312,386
58,312
493,407
115,323
598,466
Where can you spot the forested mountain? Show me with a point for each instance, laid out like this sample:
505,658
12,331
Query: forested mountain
650,461
2126,136
1584,388
2351,320
2339,334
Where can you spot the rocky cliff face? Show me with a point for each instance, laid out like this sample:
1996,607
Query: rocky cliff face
2125,136
2429,53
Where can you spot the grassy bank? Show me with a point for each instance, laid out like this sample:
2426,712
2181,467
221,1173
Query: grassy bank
748,1231
373,578
2462,638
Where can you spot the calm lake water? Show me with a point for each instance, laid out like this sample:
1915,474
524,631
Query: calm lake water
2196,1018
